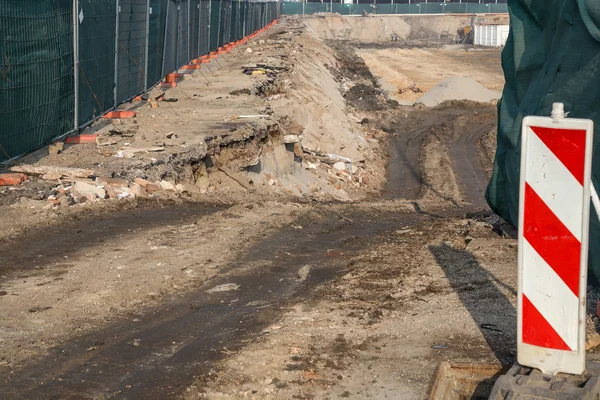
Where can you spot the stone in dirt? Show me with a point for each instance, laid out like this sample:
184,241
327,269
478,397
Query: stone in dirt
292,139
152,188
142,182
303,272
340,166
105,141
138,190
56,148
91,192
167,186
226,287
457,88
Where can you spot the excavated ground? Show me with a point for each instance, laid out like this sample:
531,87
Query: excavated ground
280,270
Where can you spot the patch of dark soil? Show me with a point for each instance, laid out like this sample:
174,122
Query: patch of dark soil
364,97
239,92
351,66
35,190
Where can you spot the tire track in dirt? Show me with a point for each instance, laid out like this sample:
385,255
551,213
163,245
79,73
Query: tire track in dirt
467,164
404,175
404,169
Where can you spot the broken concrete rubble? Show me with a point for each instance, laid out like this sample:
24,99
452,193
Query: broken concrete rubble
87,190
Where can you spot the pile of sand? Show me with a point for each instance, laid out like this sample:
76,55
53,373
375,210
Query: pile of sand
457,88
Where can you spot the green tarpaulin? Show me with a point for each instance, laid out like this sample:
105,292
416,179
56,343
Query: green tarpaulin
552,55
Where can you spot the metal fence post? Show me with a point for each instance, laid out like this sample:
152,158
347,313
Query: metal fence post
116,51
148,12
76,63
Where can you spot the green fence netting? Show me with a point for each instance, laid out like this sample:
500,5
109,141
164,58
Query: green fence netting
194,28
204,27
215,24
131,76
171,37
183,34
36,74
551,56
97,35
225,33
156,38
233,24
413,8
123,48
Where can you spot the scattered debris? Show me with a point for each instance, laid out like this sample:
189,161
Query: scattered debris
12,179
51,173
81,139
226,287
37,309
89,191
303,272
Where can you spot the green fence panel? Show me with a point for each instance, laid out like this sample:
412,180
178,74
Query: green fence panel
225,31
183,33
233,24
156,41
36,74
413,8
171,37
97,35
215,22
385,9
131,76
194,29
291,8
204,27
247,12
499,8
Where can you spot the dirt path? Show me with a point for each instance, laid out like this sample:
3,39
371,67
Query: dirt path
164,349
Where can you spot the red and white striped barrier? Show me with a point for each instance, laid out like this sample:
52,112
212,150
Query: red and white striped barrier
554,209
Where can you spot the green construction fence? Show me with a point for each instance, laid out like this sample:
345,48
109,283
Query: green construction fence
307,8
65,63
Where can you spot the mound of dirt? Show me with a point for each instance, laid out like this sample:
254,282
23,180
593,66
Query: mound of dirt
457,88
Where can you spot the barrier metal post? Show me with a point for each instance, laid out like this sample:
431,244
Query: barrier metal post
148,12
76,62
162,67
118,6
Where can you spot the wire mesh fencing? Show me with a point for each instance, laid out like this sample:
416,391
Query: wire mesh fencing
65,63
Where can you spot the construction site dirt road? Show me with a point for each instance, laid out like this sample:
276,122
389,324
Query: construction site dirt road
301,230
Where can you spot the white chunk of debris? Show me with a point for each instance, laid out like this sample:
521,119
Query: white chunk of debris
226,287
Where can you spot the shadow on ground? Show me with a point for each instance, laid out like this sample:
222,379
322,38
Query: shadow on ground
478,290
